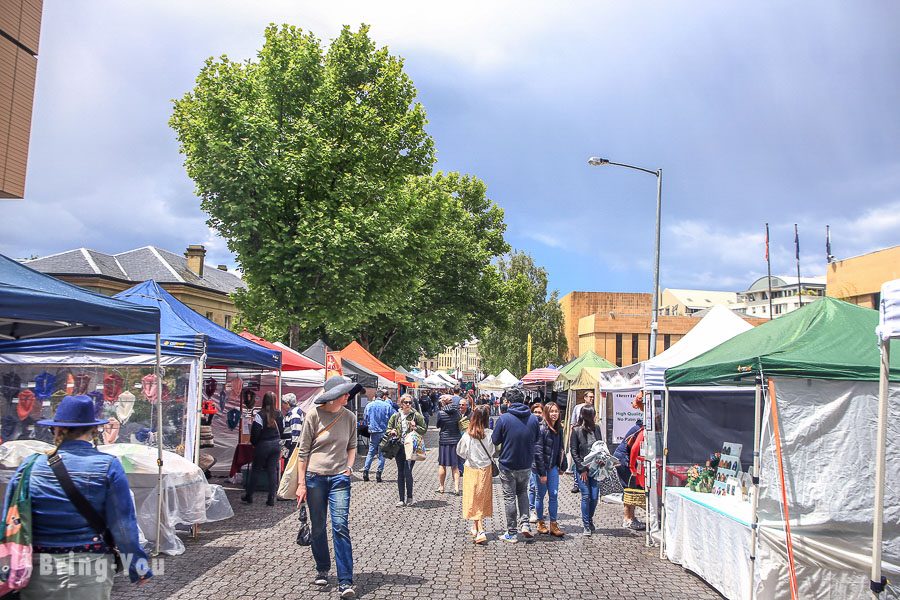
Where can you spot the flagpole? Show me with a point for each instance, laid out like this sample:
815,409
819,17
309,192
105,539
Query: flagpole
797,246
769,268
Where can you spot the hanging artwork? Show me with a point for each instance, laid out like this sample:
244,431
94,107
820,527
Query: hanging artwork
124,406
44,384
82,383
112,386
25,405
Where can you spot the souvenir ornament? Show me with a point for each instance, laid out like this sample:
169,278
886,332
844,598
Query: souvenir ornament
97,398
150,390
43,385
249,398
233,418
111,432
234,390
70,385
209,387
25,405
125,406
82,384
112,386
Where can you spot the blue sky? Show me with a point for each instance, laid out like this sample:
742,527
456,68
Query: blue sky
763,111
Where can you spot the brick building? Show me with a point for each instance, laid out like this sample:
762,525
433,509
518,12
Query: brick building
859,279
20,31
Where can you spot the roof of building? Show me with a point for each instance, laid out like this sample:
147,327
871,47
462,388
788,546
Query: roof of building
136,265
703,298
784,281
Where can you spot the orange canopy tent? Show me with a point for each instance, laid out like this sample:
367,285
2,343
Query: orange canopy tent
355,352
290,361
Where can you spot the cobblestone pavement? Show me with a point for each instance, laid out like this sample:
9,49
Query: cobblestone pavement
419,551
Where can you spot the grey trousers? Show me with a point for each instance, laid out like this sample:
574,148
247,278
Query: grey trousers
515,497
79,576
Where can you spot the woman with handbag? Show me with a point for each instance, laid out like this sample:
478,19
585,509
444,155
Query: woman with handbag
409,427
581,439
83,521
548,459
265,435
476,448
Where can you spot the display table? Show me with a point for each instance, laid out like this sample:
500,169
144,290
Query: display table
243,455
710,535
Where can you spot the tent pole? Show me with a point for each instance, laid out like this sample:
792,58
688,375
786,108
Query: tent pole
665,456
754,490
200,369
877,582
648,473
159,443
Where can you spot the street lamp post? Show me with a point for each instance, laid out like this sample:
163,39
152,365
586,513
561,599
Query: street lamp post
654,323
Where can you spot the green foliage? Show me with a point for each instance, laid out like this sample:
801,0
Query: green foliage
314,165
528,309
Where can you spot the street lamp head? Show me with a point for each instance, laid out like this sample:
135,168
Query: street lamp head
595,161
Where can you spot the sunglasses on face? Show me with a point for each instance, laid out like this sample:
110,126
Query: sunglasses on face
404,402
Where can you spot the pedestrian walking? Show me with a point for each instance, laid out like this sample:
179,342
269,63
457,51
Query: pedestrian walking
581,439
448,423
476,448
588,400
405,425
548,459
324,467
516,433
537,409
375,417
76,490
293,422
265,436
623,453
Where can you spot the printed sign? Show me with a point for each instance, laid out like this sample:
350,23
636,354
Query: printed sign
333,364
624,416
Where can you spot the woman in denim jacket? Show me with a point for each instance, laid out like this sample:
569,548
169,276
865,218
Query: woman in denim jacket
70,558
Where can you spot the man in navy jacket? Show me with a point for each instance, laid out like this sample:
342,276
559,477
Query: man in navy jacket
515,433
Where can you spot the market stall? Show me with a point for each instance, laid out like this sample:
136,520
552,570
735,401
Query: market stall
815,373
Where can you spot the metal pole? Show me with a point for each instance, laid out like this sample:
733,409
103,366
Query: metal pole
654,324
878,582
769,269
662,505
754,498
159,443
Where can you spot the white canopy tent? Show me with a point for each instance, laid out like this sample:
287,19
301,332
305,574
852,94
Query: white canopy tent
507,379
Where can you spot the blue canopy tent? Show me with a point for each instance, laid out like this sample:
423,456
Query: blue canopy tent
186,338
33,305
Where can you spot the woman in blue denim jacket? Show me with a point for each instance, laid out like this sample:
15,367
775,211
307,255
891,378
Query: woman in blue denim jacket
70,558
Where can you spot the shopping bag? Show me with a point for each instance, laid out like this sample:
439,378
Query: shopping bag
304,535
287,487
414,447
15,547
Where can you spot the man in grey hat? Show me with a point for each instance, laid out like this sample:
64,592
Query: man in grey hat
327,451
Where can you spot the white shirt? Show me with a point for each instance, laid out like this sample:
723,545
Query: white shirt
477,453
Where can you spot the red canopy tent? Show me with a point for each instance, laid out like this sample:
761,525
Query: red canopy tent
290,361
543,375
355,352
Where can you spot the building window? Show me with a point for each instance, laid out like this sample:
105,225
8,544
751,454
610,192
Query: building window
619,349
227,321
634,347
667,341
209,315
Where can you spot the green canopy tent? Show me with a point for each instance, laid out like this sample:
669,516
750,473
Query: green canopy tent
816,373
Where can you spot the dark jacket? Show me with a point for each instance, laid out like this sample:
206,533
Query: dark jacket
448,423
548,450
517,431
580,442
261,432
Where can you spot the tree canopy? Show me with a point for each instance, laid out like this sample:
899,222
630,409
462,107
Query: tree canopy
528,309
314,164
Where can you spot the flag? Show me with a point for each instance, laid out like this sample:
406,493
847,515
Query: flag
828,255
797,241
767,242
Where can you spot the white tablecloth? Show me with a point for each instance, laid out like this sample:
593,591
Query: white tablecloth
710,535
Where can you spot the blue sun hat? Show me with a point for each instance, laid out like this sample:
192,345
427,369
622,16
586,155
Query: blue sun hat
74,411
44,384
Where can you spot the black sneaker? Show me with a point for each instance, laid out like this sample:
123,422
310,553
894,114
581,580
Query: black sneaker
321,579
347,591
365,475
378,477
575,489
246,499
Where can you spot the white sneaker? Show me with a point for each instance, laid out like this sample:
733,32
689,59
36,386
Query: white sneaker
526,532
400,504
532,516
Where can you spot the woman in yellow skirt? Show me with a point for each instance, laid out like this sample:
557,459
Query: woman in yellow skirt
476,448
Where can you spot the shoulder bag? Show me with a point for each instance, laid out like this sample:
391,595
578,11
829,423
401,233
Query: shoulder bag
84,507
290,479
495,470
15,547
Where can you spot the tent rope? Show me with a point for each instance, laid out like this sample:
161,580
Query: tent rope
787,517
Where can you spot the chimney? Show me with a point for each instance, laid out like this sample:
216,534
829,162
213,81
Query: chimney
222,267
195,254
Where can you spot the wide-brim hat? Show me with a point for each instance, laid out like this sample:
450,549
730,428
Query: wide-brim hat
74,411
336,387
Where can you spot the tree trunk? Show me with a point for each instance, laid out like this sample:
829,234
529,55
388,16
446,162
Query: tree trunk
294,336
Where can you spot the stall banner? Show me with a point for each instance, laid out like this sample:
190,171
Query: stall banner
333,364
624,416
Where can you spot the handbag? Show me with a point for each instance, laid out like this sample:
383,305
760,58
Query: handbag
609,486
495,470
304,535
390,446
363,430
15,547
84,507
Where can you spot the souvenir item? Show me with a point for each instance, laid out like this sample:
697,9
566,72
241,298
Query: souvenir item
44,385
148,388
70,385
223,400
111,431
249,397
11,384
97,398
234,390
233,418
82,384
209,387
25,405
124,406
9,427
112,386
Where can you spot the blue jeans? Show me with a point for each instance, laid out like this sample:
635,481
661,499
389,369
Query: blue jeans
324,493
532,490
551,488
590,493
374,443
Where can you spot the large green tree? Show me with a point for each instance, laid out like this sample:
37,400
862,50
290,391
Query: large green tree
314,164
528,309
